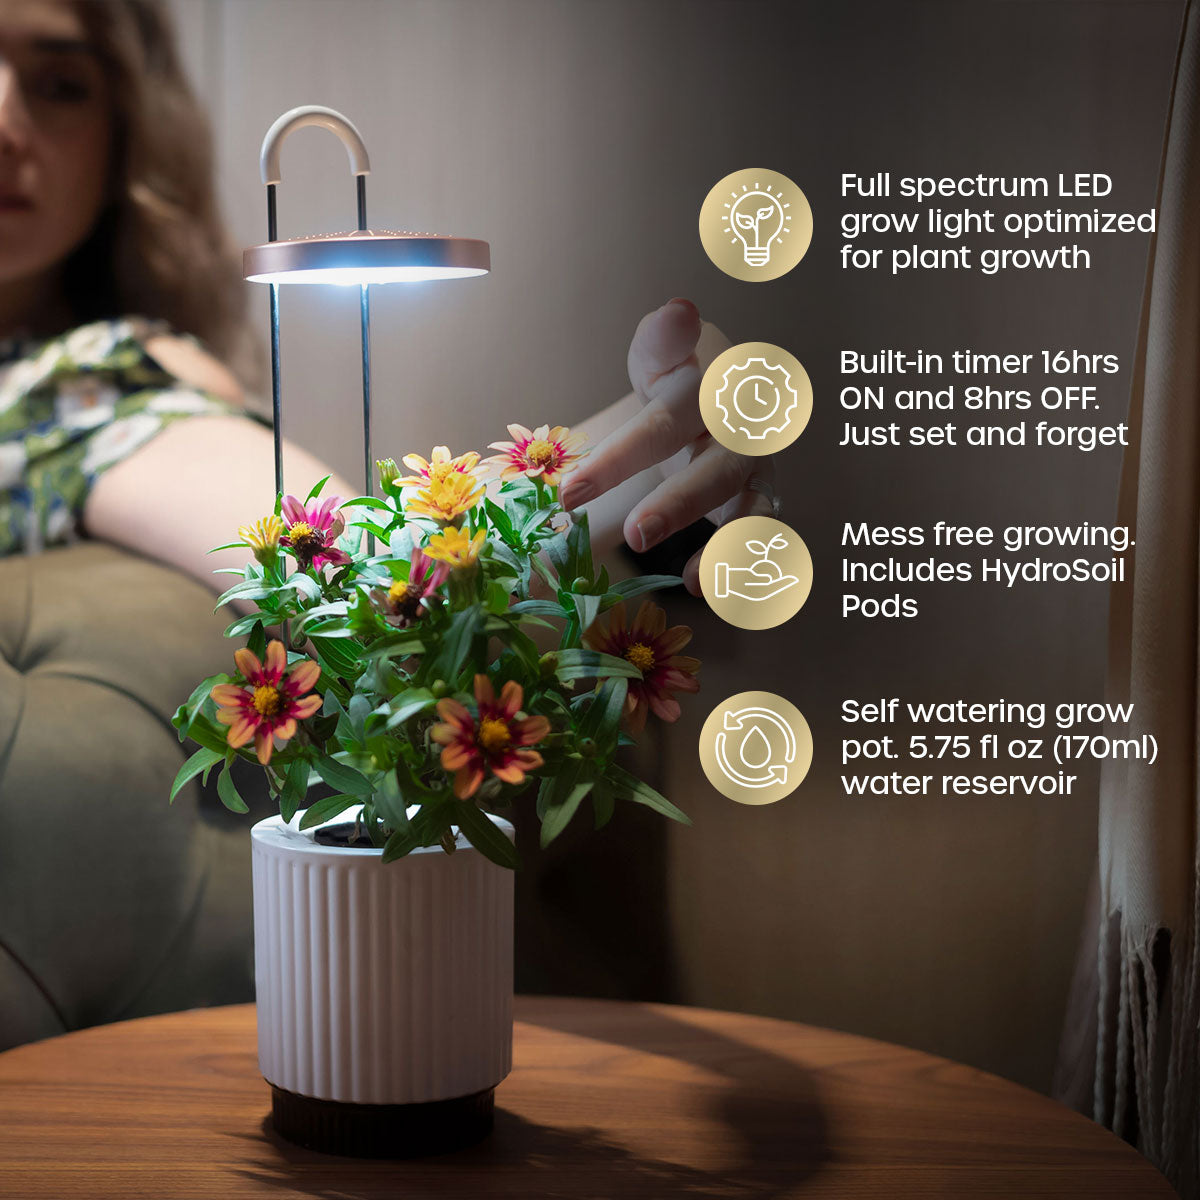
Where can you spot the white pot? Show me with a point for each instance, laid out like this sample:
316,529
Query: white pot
381,985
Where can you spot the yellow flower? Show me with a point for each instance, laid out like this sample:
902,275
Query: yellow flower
447,498
437,468
453,546
263,537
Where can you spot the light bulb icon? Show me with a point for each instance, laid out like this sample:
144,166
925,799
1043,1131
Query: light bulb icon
758,218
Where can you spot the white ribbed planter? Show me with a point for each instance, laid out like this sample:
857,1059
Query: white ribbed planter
380,986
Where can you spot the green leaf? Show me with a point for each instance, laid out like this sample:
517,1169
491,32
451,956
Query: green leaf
579,548
228,792
456,644
499,518
631,788
195,702
487,837
303,585
396,645
344,778
408,703
603,717
316,489
203,731
538,608
368,502
587,608
242,625
586,664
200,761
335,658
295,788
559,815
248,589
325,810
423,830
535,521
257,642
602,803
627,589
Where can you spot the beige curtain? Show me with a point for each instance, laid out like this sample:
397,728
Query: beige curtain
1136,1004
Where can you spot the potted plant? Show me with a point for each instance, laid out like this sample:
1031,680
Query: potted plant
407,678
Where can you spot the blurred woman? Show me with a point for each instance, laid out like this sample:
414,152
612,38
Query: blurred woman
125,360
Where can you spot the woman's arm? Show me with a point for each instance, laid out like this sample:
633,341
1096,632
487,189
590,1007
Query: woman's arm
190,487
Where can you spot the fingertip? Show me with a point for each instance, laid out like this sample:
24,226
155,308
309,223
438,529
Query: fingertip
691,574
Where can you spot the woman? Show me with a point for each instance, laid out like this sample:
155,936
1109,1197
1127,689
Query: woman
133,427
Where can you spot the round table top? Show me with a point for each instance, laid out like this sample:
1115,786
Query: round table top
605,1100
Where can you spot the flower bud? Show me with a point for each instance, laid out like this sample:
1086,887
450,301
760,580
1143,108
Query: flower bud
587,747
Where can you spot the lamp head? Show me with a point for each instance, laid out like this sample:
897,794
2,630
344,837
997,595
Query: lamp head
366,256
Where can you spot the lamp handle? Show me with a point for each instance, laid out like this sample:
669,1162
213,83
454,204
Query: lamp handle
298,118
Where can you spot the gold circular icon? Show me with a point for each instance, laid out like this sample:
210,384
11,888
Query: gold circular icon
755,398
756,748
755,572
755,224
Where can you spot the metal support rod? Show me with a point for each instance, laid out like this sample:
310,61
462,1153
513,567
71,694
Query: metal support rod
276,383
365,322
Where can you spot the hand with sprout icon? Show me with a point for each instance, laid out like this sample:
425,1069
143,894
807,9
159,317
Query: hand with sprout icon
761,579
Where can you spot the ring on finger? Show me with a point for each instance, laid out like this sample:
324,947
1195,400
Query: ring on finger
764,487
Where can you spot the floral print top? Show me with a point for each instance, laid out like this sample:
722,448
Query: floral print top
70,407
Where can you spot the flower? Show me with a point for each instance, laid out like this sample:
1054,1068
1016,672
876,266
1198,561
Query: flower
455,547
439,465
446,499
494,741
405,602
263,537
273,701
312,531
546,452
652,648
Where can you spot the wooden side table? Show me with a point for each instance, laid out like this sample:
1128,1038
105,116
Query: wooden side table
606,1101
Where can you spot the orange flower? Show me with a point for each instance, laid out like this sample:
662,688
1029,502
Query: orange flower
544,451
492,742
271,704
652,648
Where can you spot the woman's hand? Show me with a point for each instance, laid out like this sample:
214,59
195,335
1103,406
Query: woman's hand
667,357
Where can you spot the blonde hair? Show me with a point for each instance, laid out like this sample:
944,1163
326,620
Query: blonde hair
159,248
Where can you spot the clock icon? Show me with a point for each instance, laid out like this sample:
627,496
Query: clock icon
756,398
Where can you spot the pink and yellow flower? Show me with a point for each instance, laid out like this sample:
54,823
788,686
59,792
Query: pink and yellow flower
446,499
439,464
406,601
493,742
654,649
543,452
455,548
313,530
272,701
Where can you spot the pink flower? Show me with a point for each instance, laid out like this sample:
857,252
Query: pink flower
272,701
312,531
654,649
405,602
496,742
544,451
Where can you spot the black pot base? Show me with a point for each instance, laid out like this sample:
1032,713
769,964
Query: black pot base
382,1130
